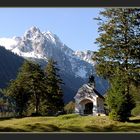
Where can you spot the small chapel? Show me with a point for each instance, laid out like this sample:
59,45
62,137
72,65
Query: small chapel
88,101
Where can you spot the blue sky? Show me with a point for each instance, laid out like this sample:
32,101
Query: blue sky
74,26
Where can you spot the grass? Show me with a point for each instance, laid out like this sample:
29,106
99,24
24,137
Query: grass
68,123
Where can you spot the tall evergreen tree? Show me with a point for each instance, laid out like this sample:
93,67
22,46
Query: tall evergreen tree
55,94
118,102
36,85
29,88
19,95
119,45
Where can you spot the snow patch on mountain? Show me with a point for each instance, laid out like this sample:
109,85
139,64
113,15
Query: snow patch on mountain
50,36
28,54
85,55
8,43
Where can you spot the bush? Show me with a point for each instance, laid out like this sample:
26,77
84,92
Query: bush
136,111
114,116
70,107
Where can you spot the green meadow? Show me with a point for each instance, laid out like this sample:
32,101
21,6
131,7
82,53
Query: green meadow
68,123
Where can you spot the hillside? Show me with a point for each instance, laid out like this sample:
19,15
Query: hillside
9,66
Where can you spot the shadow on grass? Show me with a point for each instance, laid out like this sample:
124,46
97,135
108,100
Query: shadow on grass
8,118
128,129
134,121
9,129
72,129
93,128
42,128
52,128
114,128
32,128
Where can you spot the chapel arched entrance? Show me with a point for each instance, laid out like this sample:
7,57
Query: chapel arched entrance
86,107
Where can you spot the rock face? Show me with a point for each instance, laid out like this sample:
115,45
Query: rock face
39,46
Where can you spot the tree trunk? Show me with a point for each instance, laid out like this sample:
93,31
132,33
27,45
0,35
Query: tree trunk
36,104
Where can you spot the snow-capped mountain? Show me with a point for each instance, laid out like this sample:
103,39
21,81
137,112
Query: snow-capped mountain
43,45
39,46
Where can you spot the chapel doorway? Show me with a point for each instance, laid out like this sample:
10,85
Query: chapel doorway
88,108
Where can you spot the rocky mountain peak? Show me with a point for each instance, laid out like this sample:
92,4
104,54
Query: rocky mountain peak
32,32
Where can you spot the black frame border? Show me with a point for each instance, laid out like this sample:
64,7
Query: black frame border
67,4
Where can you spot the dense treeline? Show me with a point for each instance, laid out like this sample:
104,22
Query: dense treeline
36,91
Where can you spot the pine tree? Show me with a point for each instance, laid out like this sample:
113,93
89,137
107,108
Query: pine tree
119,43
36,85
55,94
19,95
118,102
119,46
29,88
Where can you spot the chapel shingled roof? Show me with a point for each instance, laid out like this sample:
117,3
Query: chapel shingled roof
89,88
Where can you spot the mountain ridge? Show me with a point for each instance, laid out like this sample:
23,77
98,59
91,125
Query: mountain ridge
40,46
